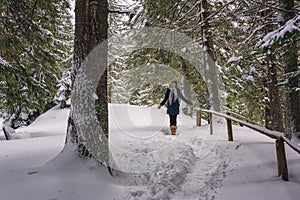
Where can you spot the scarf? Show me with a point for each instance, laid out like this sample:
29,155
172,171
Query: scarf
173,95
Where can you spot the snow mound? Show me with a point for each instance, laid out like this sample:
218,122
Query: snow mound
51,123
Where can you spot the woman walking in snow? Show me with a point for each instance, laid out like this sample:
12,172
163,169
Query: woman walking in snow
172,95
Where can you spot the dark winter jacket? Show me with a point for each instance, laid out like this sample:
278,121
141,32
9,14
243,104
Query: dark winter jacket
173,109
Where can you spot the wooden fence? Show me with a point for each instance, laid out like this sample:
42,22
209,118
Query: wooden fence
279,137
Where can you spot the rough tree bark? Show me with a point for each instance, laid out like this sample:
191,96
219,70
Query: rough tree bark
210,70
274,113
91,28
274,96
290,66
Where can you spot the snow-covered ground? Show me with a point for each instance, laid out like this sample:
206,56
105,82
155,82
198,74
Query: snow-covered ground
252,172
192,165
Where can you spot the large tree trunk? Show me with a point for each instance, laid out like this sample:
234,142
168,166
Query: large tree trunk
186,90
99,29
91,28
273,110
210,70
274,96
290,66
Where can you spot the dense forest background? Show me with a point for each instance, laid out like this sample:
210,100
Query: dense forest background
36,52
255,44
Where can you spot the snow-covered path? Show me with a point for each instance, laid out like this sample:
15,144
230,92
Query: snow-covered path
192,165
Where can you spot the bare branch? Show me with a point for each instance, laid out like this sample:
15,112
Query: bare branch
34,6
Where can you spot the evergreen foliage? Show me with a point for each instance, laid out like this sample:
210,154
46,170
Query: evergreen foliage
35,42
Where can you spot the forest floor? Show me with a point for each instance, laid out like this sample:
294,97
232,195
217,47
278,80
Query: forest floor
155,165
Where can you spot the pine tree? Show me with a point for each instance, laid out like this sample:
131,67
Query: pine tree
291,74
232,30
35,41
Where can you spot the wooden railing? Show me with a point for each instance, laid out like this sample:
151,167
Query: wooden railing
278,136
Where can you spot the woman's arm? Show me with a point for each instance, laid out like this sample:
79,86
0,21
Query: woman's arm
166,97
183,98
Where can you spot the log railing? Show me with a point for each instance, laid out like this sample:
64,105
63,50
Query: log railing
279,137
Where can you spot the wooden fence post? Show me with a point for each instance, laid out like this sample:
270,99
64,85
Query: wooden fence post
229,130
281,160
199,117
211,123
278,158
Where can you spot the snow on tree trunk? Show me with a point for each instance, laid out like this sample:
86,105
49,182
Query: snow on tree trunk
91,26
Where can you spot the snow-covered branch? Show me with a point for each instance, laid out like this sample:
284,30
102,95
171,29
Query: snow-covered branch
272,37
4,62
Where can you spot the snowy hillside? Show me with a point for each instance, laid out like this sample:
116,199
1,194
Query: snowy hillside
192,165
